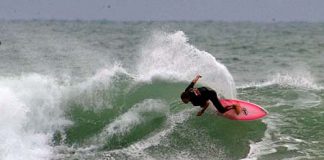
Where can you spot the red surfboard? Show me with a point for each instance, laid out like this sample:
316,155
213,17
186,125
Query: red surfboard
249,111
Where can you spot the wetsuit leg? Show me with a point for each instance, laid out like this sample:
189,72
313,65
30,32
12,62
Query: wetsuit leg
217,104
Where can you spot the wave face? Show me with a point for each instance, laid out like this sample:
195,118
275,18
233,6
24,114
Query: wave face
108,90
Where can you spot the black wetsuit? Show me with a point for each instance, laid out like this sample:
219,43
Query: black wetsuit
200,97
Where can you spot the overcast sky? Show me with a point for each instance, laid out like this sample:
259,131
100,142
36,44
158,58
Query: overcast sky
133,10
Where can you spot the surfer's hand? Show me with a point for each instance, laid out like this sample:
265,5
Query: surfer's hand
196,78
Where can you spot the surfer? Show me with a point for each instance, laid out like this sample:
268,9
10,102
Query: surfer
200,97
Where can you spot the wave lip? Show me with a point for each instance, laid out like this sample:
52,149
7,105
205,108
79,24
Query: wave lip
97,92
287,80
299,81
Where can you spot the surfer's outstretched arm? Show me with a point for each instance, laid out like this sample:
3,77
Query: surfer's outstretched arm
193,82
203,109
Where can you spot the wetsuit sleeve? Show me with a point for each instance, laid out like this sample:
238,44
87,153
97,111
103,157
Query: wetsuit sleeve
191,85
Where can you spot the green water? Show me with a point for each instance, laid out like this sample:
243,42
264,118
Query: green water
110,90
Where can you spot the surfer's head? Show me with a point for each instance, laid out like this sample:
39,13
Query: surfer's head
185,97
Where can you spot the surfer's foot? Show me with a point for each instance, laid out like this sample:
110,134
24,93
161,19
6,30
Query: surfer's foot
237,108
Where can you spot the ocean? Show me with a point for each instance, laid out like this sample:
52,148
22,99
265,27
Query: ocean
111,90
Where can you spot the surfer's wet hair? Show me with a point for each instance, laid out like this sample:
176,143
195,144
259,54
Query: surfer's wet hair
185,95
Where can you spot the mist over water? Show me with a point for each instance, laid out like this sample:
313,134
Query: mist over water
108,90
